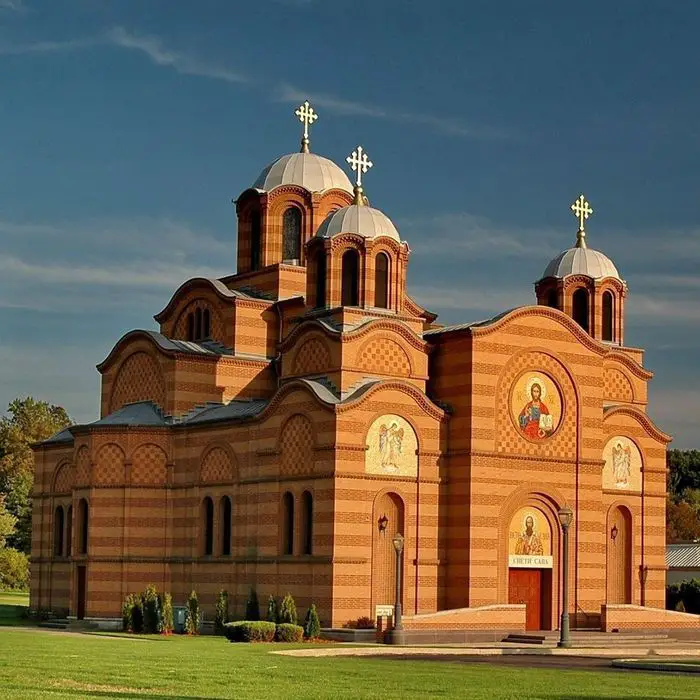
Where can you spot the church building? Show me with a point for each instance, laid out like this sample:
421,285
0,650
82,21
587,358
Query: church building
288,421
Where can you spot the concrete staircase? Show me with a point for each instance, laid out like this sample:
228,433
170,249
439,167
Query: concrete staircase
595,639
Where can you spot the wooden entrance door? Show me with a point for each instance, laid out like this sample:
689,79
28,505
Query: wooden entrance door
82,591
619,556
525,586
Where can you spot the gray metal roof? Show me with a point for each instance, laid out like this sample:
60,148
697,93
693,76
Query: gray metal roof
234,410
138,413
685,555
359,219
582,261
204,347
62,436
465,326
308,170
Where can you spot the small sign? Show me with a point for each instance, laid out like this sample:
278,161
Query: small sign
384,611
524,561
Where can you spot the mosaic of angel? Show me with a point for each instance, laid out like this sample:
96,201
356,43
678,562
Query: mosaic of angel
622,464
535,420
390,440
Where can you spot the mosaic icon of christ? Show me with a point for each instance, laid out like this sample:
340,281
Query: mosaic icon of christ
535,420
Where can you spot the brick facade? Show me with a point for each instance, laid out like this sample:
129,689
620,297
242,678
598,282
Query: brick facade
243,459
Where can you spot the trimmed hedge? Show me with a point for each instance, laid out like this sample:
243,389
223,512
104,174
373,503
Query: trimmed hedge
247,631
289,633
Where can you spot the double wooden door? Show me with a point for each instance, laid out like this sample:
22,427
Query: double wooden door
526,586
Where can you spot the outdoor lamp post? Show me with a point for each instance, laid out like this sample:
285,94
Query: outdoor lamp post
566,516
397,633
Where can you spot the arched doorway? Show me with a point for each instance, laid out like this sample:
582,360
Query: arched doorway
530,563
387,521
619,556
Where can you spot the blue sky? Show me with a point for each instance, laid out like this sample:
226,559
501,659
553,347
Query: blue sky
126,128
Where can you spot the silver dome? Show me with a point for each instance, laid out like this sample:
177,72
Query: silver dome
308,170
582,261
358,219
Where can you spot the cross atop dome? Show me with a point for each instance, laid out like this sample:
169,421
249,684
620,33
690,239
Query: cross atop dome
582,210
359,163
307,117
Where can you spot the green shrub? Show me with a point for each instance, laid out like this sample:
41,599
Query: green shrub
679,606
312,625
288,611
14,569
252,607
673,596
221,612
128,612
272,612
362,623
289,633
166,618
690,595
151,610
193,616
249,631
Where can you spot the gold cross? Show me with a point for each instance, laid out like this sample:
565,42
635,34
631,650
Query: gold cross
307,117
360,163
582,210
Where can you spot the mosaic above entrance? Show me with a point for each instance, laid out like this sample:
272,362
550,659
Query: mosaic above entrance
623,465
536,406
391,447
529,540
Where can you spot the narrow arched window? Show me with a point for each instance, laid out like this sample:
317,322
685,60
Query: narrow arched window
381,281
608,316
350,278
321,278
580,308
553,299
58,525
69,532
206,324
225,520
291,234
198,324
255,240
208,527
288,523
83,524
190,326
307,521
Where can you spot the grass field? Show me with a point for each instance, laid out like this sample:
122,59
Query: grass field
35,664
12,605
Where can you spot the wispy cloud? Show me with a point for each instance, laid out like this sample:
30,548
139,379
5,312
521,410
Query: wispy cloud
463,234
182,62
451,126
13,5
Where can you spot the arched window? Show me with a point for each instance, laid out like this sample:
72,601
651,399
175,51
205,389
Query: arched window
58,525
291,234
553,299
288,523
198,324
321,278
225,520
69,532
381,281
580,304
83,518
208,527
206,324
190,326
350,294
255,240
608,315
307,520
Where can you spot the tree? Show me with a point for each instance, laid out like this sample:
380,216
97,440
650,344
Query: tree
682,522
272,612
28,421
252,607
7,522
312,625
288,610
684,471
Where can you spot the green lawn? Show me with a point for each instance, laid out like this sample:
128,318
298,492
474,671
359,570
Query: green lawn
12,605
35,664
